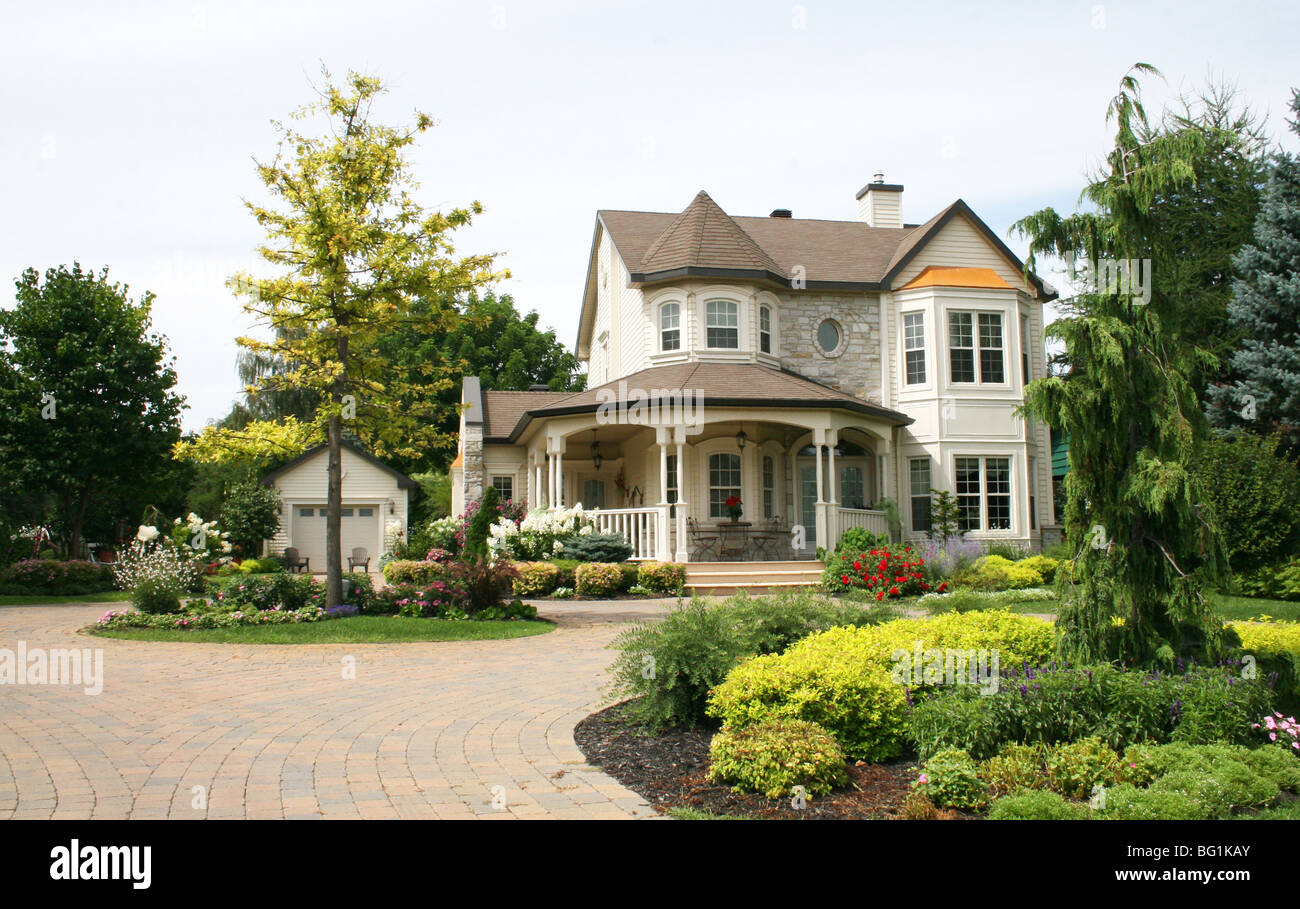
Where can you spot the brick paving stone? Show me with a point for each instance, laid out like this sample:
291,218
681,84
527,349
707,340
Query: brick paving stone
423,731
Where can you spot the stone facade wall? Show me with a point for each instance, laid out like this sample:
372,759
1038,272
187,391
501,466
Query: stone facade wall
472,461
855,366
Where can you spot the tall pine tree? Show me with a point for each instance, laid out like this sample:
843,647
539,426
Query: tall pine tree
1131,409
1263,391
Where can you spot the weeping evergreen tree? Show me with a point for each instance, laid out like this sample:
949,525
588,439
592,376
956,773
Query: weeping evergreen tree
1134,512
1263,391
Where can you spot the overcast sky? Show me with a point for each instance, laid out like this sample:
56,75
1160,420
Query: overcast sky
131,127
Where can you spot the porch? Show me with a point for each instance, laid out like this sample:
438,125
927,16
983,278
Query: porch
800,485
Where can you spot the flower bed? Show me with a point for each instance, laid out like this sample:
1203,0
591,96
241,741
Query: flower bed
126,618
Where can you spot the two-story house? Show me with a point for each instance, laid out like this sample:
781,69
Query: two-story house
808,368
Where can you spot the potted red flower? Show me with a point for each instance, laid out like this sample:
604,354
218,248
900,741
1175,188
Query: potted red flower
732,505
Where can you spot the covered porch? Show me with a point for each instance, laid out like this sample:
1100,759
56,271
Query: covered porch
803,476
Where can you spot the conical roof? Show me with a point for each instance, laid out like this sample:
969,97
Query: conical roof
704,236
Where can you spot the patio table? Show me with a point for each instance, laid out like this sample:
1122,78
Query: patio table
733,537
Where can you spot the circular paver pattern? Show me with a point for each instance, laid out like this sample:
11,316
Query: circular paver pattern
423,730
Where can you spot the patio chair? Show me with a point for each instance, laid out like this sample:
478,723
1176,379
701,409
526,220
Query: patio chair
766,537
294,561
359,557
702,541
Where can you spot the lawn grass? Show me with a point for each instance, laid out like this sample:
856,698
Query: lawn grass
1241,608
360,629
42,599
698,814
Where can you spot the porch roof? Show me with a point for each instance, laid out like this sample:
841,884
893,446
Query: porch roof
720,384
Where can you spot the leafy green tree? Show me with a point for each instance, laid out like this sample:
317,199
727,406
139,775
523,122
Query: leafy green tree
484,336
87,410
1263,387
1134,510
353,253
249,515
1254,493
945,516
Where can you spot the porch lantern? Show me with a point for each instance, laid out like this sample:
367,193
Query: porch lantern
741,439
596,459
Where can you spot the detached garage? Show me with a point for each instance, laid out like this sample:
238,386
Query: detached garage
375,497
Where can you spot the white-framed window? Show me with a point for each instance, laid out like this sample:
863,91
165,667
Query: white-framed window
983,493
769,486
919,486
670,326
722,324
976,355
505,485
914,347
593,494
724,482
765,329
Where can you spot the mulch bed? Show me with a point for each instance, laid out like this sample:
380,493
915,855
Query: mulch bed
668,770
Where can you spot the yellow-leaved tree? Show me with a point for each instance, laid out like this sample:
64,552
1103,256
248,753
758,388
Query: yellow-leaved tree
352,252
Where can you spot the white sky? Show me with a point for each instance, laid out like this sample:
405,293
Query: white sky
130,126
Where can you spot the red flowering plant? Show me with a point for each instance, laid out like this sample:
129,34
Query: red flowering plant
887,573
732,504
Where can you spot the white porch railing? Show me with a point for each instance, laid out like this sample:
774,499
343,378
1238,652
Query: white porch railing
866,518
639,526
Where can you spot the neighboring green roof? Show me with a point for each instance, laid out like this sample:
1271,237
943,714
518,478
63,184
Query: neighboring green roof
1060,453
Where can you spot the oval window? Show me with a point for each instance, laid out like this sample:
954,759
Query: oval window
828,336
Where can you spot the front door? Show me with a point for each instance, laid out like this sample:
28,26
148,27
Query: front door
808,503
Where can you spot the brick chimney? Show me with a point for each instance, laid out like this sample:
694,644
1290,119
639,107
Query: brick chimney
880,204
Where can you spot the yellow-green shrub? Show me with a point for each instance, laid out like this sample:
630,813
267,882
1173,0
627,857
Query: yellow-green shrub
841,678
773,757
996,572
418,573
598,579
535,579
1045,565
661,577
1269,637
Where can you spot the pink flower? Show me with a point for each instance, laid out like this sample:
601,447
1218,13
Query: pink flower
923,779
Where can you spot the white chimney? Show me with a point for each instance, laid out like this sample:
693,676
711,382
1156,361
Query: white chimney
880,204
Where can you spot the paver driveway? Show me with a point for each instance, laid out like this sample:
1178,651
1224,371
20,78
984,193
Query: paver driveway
276,731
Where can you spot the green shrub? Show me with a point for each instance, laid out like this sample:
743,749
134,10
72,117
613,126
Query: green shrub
268,591
1075,768
1230,785
598,579
1279,581
1127,802
770,624
1044,565
629,571
1276,763
775,756
859,539
535,579
480,524
662,577
598,547
250,513
1062,704
1010,552
669,666
1036,806
950,779
1015,767
415,572
156,596
1253,490
56,578
567,569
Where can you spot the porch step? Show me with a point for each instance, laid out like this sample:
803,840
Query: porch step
722,578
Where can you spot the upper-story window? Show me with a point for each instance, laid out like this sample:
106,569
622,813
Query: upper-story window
914,347
965,343
722,324
670,327
765,329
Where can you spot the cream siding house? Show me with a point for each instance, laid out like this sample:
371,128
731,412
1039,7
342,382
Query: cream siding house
376,502
832,365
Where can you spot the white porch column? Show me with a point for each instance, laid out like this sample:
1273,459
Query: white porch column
550,478
830,454
559,478
833,506
663,551
819,505
683,554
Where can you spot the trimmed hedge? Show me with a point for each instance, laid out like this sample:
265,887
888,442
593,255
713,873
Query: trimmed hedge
776,756
662,577
414,572
56,578
600,579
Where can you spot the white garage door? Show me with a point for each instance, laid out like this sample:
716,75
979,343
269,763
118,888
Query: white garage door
360,528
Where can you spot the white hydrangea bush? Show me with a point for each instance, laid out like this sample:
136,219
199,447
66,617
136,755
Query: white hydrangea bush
541,534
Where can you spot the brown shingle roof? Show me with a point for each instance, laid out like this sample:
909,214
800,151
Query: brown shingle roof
721,384
502,409
705,236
